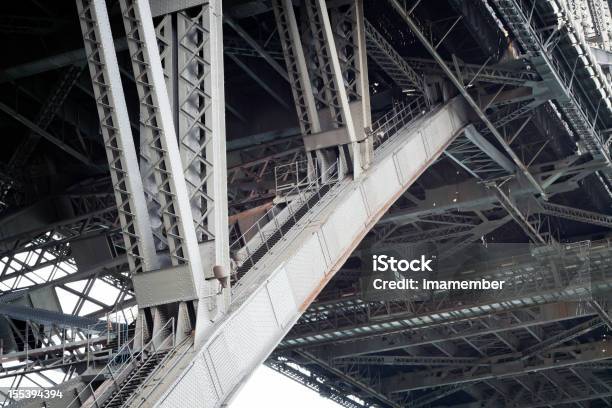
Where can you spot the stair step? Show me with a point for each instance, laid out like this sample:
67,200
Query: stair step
133,381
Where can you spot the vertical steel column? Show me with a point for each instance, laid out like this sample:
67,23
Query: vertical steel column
328,65
191,46
297,71
201,113
349,29
118,140
159,132
215,115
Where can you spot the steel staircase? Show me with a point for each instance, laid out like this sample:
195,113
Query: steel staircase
134,380
131,366
277,235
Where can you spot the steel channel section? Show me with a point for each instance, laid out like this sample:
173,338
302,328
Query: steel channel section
116,131
284,282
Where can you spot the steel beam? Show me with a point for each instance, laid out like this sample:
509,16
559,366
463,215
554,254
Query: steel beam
386,57
461,87
454,331
45,134
255,45
117,134
332,85
563,357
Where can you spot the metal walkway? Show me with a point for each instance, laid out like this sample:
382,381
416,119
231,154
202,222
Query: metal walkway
287,257
284,269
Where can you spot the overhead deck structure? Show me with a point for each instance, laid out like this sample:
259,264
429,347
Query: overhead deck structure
190,189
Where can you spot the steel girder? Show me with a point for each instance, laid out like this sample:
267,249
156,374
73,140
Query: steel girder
328,77
489,339
338,322
472,73
416,28
531,319
577,107
193,66
295,60
157,131
478,156
120,149
47,113
561,357
348,25
402,72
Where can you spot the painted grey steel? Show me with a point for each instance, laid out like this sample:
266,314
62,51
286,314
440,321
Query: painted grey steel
478,73
331,84
45,134
120,149
391,61
297,70
193,63
565,357
600,15
524,290
255,45
348,25
158,131
286,279
49,317
576,214
422,334
461,87
478,156
573,105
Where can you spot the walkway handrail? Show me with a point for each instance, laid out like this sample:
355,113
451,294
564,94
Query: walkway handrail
118,364
382,129
169,369
300,191
399,116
